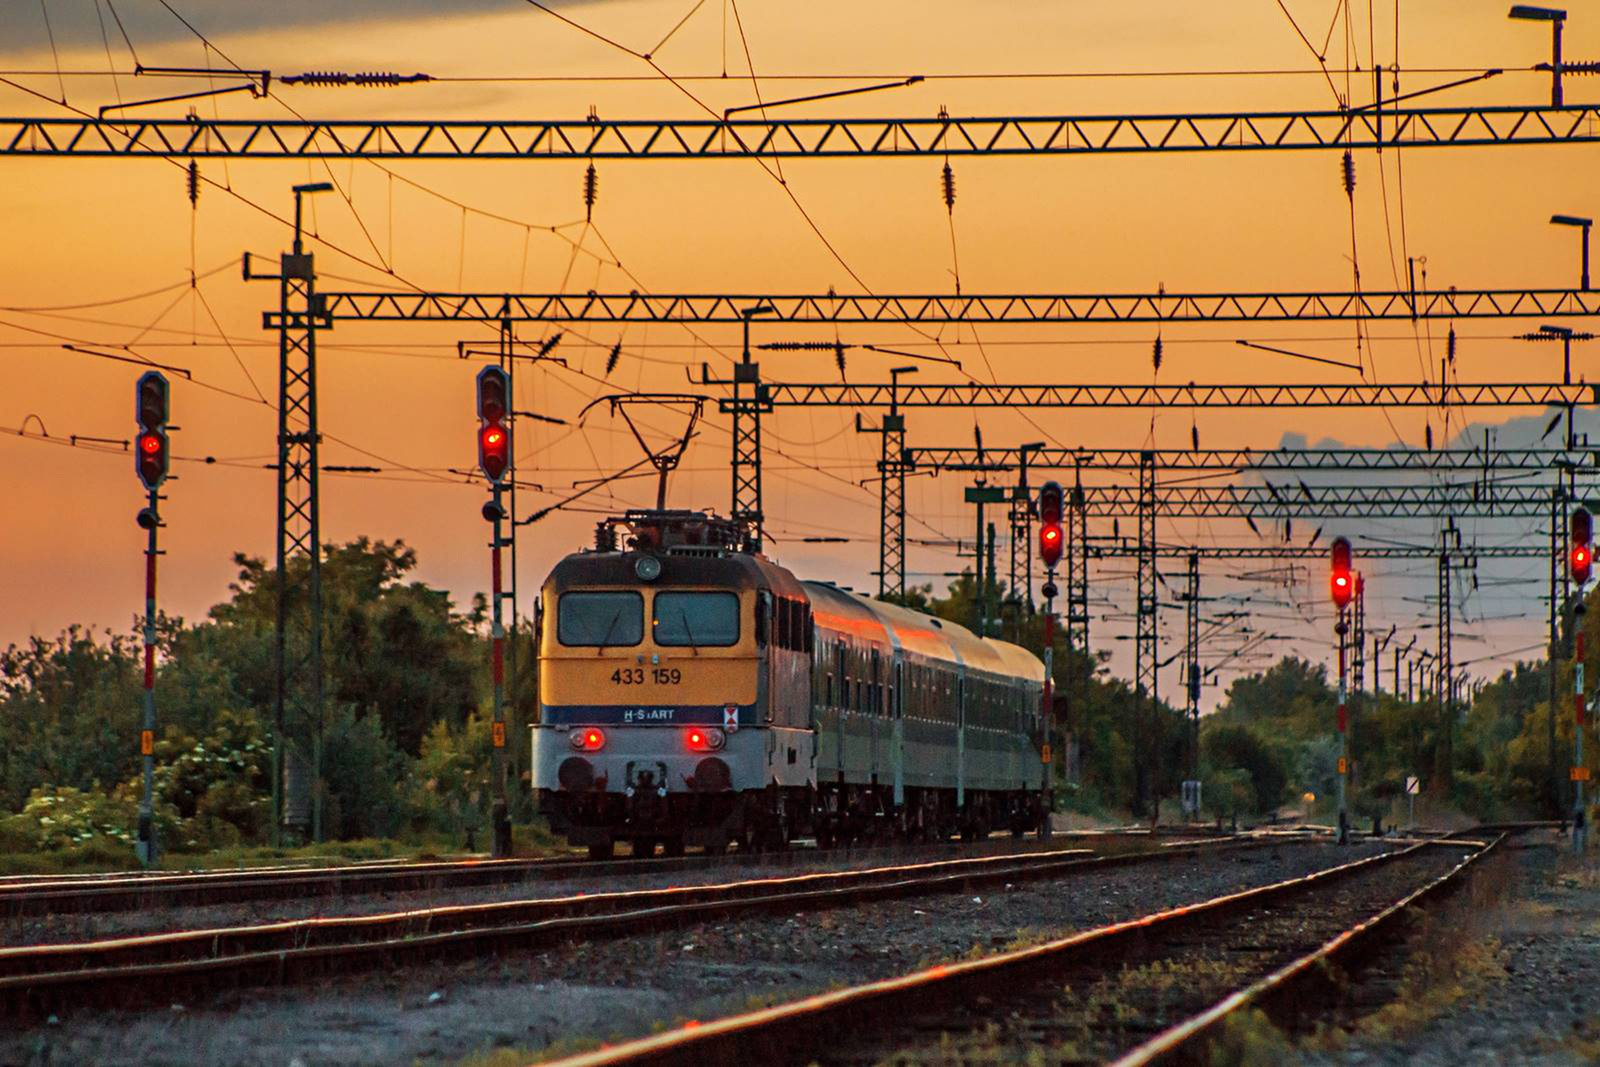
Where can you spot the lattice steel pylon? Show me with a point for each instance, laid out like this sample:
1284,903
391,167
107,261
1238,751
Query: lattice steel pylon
1444,688
892,467
298,703
1077,613
1145,689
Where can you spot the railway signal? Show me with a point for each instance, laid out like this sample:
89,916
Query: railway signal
152,406
494,431
1582,547
1343,584
494,459
1050,533
1582,563
1340,580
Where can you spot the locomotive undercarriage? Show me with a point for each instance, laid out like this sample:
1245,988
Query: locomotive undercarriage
834,814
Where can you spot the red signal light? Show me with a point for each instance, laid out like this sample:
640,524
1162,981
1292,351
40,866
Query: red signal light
1341,582
1582,560
151,409
494,436
151,459
1050,539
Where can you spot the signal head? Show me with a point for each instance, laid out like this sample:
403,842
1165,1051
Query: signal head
494,436
1050,503
1341,581
152,400
494,451
1582,558
494,394
150,458
146,519
1050,543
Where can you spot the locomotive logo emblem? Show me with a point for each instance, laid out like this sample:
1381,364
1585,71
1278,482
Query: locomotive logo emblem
730,718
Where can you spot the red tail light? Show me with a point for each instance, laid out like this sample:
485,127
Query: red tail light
588,739
705,739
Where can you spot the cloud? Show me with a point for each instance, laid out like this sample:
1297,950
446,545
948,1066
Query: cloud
148,23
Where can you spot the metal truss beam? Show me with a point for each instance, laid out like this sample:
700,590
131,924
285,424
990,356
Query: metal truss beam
981,308
1127,548
977,395
194,137
966,458
1468,499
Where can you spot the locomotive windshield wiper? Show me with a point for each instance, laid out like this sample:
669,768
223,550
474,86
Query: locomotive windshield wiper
694,649
605,641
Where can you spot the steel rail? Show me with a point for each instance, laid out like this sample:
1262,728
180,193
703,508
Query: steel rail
27,895
1184,1039
37,979
977,308
196,137
784,1033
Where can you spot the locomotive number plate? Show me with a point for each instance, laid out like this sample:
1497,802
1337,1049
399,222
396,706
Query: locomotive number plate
639,675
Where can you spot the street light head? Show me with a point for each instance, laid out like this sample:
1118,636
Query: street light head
314,187
903,370
758,309
1537,14
1556,331
1570,220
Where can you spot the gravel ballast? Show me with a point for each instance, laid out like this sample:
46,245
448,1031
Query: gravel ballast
613,989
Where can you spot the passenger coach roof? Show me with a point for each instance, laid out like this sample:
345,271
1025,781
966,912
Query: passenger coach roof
921,633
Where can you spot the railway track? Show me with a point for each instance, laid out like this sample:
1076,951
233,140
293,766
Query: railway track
25,897
36,980
1136,992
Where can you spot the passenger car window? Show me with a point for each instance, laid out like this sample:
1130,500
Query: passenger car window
703,620
600,619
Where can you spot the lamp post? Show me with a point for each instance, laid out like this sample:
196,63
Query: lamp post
1583,225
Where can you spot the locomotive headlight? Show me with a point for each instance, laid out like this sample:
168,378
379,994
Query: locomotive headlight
648,568
705,739
589,739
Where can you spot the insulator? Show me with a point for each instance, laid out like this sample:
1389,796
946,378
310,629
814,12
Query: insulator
1348,169
1155,353
549,344
194,183
1427,436
1590,66
948,181
366,77
838,357
591,190
1450,345
1194,437
611,360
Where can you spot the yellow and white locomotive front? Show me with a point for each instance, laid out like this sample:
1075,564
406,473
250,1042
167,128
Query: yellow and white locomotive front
652,690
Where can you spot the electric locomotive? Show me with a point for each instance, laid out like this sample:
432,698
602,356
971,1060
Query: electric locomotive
693,692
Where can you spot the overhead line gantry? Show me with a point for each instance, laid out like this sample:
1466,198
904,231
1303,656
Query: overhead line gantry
195,137
971,308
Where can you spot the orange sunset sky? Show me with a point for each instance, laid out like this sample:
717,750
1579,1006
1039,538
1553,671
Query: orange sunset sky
82,233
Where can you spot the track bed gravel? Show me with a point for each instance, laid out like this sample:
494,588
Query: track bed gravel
49,929
1090,1013
613,989
1516,987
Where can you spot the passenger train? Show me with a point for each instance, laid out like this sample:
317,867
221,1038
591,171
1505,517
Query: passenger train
693,692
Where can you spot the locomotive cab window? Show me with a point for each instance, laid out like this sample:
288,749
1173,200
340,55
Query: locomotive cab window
597,620
703,620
